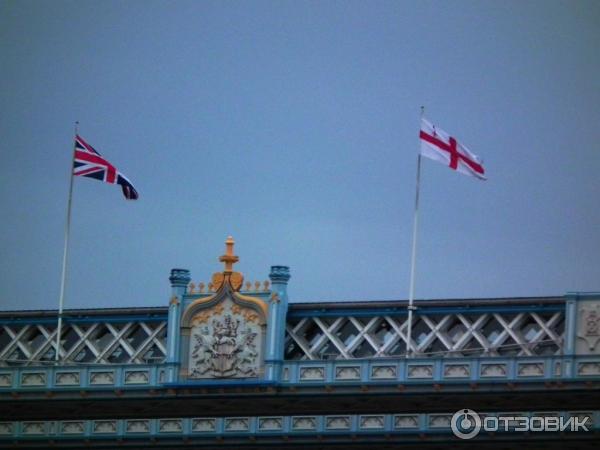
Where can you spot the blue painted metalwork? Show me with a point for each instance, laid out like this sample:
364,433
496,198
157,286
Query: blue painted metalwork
180,278
278,306
295,314
458,344
342,425
85,320
312,373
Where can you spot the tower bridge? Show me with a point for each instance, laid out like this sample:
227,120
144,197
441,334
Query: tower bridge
233,362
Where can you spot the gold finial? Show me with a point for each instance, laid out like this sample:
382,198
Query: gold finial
234,279
229,258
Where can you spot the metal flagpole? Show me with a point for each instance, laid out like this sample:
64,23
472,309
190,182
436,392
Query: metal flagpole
411,295
65,250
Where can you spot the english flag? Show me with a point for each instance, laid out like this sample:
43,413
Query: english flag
438,145
89,163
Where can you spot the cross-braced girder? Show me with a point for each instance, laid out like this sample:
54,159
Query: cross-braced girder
457,334
102,342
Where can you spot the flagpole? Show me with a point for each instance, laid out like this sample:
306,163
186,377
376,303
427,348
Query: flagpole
411,294
65,250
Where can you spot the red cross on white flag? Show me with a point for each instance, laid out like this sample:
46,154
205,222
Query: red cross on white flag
438,145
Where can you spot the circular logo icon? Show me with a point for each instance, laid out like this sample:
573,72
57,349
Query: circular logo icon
465,423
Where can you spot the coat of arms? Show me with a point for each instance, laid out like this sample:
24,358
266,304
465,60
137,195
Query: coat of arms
588,330
224,331
224,348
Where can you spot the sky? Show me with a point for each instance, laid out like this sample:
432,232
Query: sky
293,126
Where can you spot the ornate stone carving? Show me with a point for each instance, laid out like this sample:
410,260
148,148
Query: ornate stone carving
406,421
372,422
588,330
137,377
105,426
337,422
531,369
591,320
456,371
312,373
138,426
588,368
493,370
347,373
237,424
304,423
170,425
225,343
420,371
102,378
73,427
5,379
67,379
6,428
204,425
223,333
270,423
383,372
34,428
440,420
33,379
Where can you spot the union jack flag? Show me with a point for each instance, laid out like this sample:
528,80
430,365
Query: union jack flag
89,163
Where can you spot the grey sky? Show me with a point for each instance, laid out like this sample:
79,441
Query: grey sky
294,126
